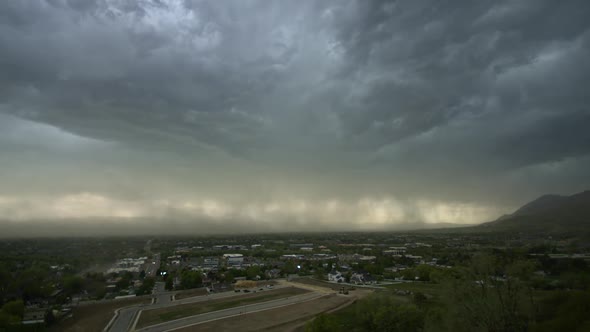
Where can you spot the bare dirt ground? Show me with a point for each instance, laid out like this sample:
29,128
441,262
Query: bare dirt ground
285,319
275,320
190,293
319,285
299,326
261,283
202,291
94,317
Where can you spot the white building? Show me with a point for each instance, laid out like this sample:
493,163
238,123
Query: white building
210,262
397,250
335,276
128,264
233,259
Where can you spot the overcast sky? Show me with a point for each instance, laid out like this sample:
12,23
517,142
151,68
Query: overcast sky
367,114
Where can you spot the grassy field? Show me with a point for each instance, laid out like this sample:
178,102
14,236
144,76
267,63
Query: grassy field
156,316
190,293
202,291
319,283
274,320
428,289
437,291
95,317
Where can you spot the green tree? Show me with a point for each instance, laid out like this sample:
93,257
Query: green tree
423,272
190,279
6,320
290,267
320,273
564,311
488,298
14,308
123,283
49,318
147,286
5,280
323,323
73,284
169,283
252,272
399,318
419,298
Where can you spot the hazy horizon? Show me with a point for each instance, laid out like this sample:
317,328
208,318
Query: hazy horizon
300,116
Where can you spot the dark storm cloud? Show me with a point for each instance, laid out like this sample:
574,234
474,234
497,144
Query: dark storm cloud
419,100
108,67
426,64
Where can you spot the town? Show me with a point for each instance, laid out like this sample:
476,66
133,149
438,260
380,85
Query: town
62,283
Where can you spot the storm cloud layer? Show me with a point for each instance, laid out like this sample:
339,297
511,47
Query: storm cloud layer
365,114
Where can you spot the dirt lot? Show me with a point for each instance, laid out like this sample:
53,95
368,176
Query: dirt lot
275,320
202,291
261,283
94,317
323,284
190,293
155,316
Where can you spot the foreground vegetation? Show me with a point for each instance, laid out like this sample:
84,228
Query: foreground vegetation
493,292
446,281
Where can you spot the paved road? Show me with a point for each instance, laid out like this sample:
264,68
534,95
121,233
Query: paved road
241,310
153,266
126,317
162,297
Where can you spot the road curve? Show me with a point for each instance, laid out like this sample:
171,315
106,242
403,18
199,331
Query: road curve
230,312
126,317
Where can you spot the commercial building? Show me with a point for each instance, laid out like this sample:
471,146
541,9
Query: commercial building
233,260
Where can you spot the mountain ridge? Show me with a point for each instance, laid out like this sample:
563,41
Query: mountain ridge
550,213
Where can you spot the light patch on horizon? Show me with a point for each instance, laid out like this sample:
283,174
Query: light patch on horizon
370,212
88,205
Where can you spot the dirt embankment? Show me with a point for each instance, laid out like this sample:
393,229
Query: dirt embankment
155,316
94,317
277,320
288,318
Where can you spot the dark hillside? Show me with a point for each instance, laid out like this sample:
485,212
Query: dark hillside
548,213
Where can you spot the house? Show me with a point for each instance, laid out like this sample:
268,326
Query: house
335,276
233,260
395,251
368,278
344,267
301,245
273,273
356,279
362,278
210,262
34,316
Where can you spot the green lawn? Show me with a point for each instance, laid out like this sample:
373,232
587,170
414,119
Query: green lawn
428,289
